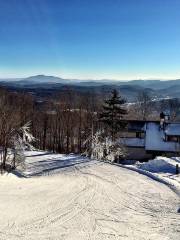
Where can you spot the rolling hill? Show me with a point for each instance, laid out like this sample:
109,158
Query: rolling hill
42,85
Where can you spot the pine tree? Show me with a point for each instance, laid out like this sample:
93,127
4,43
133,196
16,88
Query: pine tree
112,114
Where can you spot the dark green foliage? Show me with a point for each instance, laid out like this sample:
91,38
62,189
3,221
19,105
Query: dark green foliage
112,114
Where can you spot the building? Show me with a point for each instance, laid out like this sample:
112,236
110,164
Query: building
147,139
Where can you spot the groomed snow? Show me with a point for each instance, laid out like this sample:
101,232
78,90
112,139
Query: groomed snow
44,163
84,200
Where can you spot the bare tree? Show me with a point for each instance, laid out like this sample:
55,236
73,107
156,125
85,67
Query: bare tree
144,105
173,105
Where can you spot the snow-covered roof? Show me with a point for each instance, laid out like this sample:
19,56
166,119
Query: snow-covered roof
173,129
154,140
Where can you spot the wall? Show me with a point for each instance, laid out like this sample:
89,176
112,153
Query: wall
138,154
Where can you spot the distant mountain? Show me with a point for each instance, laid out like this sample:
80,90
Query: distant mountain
154,84
41,79
42,84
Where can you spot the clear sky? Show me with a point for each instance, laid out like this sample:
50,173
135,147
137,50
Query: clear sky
112,39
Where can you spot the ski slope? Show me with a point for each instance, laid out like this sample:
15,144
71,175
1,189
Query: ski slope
69,197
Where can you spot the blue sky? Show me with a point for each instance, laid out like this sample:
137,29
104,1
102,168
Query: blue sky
112,39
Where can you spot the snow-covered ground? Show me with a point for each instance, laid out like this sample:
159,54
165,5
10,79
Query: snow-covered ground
164,169
45,163
70,197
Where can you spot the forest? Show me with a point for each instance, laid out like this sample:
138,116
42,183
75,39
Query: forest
68,121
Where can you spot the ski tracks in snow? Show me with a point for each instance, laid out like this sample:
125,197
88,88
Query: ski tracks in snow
94,201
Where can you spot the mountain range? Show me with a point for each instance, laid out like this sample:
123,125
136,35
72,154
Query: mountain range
42,85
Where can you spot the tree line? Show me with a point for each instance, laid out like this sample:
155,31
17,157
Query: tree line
59,124
65,122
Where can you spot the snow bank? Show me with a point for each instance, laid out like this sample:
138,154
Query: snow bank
163,168
159,165
6,176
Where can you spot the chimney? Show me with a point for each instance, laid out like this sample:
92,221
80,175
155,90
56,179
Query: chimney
162,119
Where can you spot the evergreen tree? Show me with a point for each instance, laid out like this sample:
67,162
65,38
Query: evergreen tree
112,114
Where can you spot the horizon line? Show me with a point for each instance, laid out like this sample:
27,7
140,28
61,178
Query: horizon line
92,79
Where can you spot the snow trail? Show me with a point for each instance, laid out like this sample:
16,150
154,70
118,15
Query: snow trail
90,200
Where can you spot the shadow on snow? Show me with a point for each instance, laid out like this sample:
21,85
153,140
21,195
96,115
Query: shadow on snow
46,166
